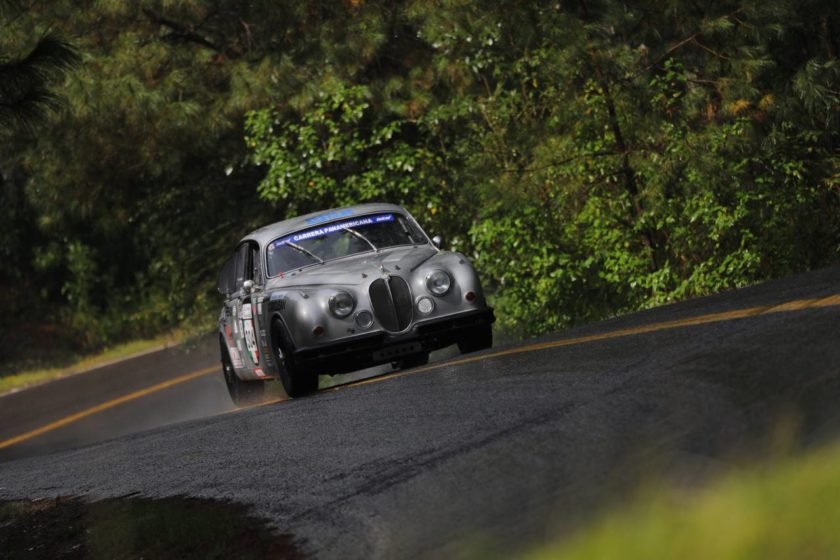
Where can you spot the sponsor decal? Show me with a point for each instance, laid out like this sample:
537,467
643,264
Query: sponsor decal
260,373
250,338
332,228
235,359
264,346
329,216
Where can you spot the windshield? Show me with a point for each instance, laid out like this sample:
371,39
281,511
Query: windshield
341,239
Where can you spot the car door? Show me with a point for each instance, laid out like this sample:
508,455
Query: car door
251,335
265,364
232,318
226,285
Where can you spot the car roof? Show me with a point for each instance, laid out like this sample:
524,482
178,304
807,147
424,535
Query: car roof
268,233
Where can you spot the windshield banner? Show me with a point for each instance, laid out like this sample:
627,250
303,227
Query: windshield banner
332,228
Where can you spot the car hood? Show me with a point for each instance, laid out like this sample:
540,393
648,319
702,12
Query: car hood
357,269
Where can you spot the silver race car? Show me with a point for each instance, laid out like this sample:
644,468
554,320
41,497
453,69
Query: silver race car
342,290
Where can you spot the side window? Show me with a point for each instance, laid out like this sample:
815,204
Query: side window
243,254
254,268
247,264
226,282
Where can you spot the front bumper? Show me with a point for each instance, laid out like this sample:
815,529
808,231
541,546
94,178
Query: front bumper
368,351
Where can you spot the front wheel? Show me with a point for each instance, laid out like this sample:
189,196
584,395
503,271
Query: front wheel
242,393
296,382
480,338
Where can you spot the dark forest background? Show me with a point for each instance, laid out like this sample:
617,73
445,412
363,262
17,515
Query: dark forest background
592,156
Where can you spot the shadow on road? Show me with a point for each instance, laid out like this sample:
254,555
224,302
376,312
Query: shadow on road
176,527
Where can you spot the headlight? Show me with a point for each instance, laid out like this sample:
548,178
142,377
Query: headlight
438,282
364,319
425,305
341,304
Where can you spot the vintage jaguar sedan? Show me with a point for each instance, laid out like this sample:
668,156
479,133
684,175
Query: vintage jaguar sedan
342,290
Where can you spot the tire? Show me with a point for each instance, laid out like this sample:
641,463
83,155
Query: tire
479,339
417,360
242,393
296,382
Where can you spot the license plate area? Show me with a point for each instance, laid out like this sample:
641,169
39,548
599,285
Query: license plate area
397,351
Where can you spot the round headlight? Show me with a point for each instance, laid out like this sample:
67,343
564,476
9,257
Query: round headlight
438,282
341,304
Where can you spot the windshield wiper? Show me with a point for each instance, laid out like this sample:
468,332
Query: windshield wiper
406,231
355,233
306,252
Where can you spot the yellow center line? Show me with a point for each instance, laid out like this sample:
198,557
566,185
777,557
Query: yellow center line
106,405
795,305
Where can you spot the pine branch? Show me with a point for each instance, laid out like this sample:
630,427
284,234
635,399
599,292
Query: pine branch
24,95
561,162
51,56
710,50
668,52
693,38
181,32
27,112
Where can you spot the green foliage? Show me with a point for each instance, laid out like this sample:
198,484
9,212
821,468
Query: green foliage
332,156
342,151
779,511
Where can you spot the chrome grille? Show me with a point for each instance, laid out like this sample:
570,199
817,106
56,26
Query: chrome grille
402,301
391,300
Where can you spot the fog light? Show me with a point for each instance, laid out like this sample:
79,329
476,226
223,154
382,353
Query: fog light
364,319
469,296
318,331
425,305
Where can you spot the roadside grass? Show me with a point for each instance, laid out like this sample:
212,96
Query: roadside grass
788,508
28,378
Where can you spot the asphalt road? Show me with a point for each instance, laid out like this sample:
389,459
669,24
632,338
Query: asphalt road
502,450
42,406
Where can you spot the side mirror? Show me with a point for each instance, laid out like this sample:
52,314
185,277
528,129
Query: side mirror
437,241
248,286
